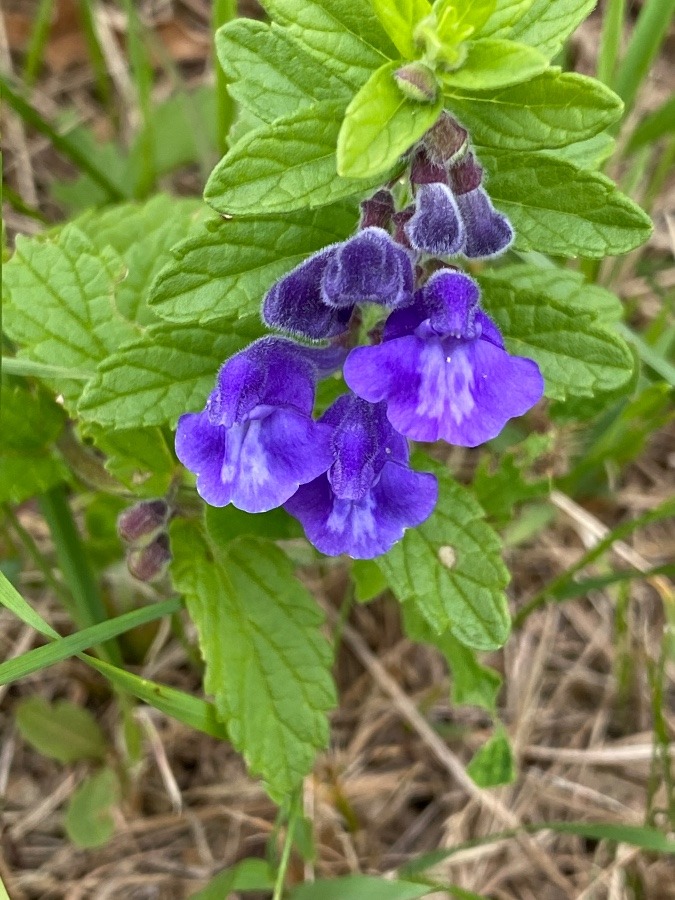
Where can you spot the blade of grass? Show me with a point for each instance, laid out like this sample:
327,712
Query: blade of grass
610,40
96,55
581,588
192,711
223,11
34,552
649,33
61,142
20,205
143,77
647,354
549,591
64,648
88,607
654,126
38,39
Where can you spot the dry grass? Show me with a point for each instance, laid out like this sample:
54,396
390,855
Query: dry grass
577,701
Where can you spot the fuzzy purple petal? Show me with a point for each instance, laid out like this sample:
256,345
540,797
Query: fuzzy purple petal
463,392
294,304
436,227
371,525
488,232
256,465
368,268
451,301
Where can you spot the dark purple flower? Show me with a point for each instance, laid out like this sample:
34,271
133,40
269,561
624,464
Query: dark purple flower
488,232
436,227
369,496
377,210
442,368
255,442
368,268
294,304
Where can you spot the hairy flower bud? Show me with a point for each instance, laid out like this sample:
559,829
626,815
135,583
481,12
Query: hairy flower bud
377,210
417,82
141,523
150,562
446,141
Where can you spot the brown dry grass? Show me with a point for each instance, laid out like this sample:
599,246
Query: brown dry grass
576,703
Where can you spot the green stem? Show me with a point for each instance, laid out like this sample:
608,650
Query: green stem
62,143
223,11
288,845
143,76
88,607
38,39
610,40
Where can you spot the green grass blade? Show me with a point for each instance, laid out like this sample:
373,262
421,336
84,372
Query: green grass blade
192,711
96,54
581,588
610,40
55,652
143,77
62,143
649,33
223,11
664,511
88,607
11,365
649,356
38,39
654,126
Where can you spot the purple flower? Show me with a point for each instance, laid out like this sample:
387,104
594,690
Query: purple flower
368,268
255,442
368,497
436,226
442,369
488,232
316,300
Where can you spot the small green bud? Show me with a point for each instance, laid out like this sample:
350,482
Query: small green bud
417,82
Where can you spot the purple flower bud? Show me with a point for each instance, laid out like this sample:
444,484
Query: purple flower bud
417,81
442,369
446,140
256,442
378,210
140,523
295,305
424,171
466,175
149,563
488,232
436,226
400,220
368,497
368,268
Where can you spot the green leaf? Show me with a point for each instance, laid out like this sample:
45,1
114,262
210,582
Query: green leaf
562,210
552,110
380,125
35,660
283,167
360,887
369,582
247,875
495,63
31,422
398,18
548,23
344,35
157,378
499,490
577,357
565,285
271,74
59,305
139,458
493,765
226,523
589,154
450,568
473,684
142,235
267,663
61,730
89,821
506,13
225,269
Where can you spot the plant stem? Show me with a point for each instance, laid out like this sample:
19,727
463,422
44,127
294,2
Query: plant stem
293,814
88,607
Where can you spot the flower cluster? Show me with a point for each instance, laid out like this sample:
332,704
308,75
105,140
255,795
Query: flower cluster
434,368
